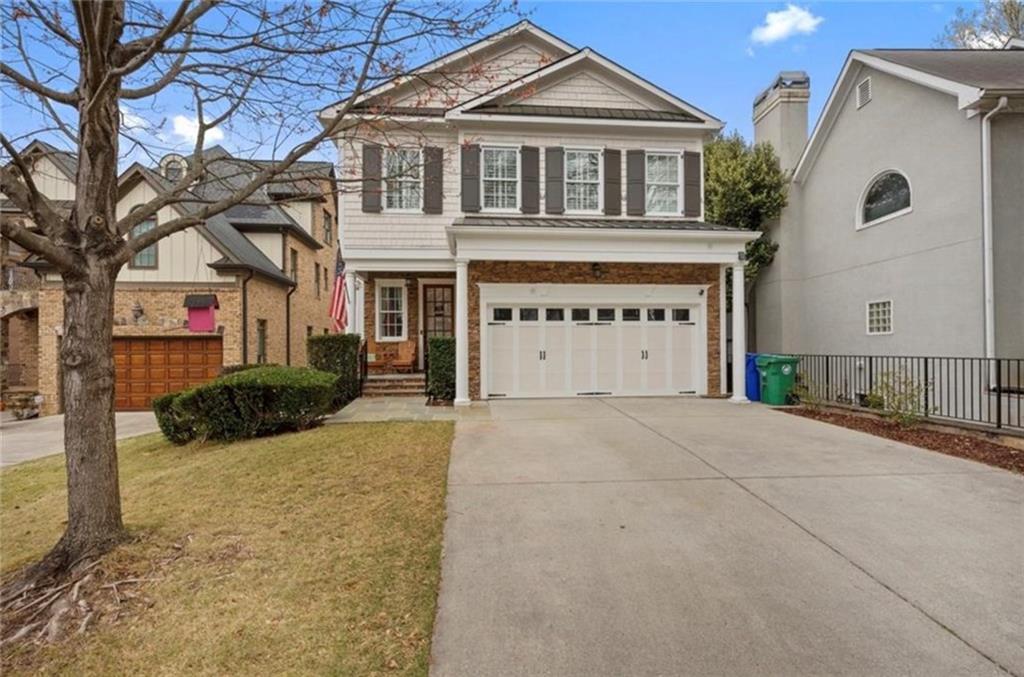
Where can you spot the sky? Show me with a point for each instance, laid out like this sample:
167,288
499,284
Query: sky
718,56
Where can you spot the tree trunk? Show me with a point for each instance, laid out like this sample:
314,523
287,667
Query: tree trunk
87,381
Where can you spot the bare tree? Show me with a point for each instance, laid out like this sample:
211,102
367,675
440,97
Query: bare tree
260,68
986,27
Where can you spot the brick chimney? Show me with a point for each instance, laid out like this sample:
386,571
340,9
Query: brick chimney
780,116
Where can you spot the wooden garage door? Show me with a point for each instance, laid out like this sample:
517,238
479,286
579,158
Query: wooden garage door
149,367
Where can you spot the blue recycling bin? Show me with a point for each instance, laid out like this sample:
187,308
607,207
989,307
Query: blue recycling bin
753,379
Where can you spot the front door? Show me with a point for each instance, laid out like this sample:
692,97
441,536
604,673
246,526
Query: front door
438,314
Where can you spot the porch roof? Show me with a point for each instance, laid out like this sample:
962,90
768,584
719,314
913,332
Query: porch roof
575,222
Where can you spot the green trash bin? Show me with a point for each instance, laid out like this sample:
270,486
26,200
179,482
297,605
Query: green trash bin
778,373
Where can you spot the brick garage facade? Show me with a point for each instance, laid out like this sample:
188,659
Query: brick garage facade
584,273
164,315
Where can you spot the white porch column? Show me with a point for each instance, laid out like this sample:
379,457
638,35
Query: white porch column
354,311
461,332
739,337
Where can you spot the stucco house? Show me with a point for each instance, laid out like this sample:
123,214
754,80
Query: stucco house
544,206
904,233
247,286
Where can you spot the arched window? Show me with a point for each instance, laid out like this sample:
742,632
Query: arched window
887,196
174,167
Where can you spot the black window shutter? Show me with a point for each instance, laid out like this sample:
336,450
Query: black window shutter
636,193
554,180
433,180
371,177
529,162
471,178
612,182
691,184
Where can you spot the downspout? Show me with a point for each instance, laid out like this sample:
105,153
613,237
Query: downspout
986,227
245,317
288,325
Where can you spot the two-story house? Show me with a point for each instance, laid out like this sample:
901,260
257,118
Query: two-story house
246,286
904,233
543,205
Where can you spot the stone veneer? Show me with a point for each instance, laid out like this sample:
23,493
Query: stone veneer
583,273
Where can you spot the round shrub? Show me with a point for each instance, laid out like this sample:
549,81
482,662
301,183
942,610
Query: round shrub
249,403
337,354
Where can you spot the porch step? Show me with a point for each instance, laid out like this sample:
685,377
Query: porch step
394,385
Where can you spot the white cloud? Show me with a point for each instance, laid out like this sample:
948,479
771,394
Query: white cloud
785,24
187,129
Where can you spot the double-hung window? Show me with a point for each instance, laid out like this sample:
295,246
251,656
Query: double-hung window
663,183
391,301
403,179
582,180
145,258
500,178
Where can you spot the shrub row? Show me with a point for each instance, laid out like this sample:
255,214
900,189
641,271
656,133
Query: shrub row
248,403
337,354
441,368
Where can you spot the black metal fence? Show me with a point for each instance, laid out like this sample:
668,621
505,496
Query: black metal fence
977,390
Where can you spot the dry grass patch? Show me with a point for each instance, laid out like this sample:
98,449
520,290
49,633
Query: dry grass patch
310,553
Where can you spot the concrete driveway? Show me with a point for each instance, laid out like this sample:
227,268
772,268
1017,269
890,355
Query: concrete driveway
22,441
698,537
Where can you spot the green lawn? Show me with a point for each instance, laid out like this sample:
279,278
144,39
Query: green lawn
310,553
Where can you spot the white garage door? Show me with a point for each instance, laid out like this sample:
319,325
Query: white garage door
582,349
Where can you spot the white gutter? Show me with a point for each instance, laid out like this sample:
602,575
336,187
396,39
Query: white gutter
986,226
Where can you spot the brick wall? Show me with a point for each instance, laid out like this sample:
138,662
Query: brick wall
385,351
266,301
583,273
309,308
19,335
164,315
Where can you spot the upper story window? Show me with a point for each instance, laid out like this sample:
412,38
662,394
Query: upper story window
146,258
662,183
294,260
328,226
403,186
582,180
174,167
500,178
887,196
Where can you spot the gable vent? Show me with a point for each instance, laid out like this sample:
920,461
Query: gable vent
863,92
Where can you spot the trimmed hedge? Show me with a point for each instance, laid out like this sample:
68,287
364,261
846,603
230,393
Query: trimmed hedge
441,368
235,368
337,354
250,403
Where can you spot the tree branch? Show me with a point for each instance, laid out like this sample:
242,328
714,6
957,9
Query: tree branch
37,88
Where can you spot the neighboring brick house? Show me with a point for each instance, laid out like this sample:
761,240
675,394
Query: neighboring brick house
543,205
248,285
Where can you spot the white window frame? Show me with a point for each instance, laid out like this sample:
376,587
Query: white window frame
679,182
859,222
519,178
380,284
404,210
600,178
871,94
867,317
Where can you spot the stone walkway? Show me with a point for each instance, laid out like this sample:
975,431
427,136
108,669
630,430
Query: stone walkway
367,409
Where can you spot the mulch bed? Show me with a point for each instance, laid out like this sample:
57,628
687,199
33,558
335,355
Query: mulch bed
964,446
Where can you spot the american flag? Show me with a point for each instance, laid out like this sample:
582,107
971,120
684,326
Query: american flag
339,297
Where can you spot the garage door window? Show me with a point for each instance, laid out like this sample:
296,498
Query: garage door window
528,314
630,314
655,314
581,314
605,314
502,314
680,314
554,315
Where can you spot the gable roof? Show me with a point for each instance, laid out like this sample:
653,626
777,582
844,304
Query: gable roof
589,58
990,69
66,162
972,76
524,26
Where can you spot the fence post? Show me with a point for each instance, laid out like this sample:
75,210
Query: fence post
999,393
927,390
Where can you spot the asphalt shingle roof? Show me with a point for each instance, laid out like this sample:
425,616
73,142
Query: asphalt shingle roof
587,112
995,69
